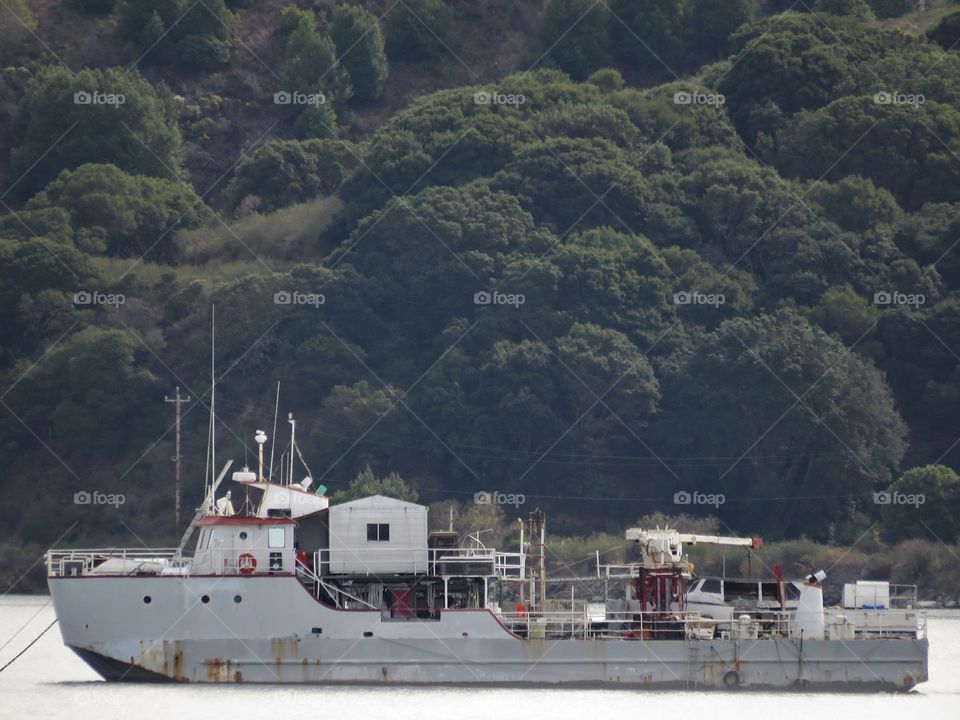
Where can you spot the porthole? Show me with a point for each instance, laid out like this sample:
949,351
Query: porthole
243,535
205,599
237,599
147,599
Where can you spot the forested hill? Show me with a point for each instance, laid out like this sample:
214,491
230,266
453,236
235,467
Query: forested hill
693,257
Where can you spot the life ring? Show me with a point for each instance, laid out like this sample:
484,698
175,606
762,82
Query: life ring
731,679
246,563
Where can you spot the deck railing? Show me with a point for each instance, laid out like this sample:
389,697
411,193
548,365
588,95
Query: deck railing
123,561
626,625
452,562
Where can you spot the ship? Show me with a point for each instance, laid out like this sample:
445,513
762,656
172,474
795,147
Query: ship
288,587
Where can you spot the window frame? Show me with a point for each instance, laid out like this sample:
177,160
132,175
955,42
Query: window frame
272,533
378,532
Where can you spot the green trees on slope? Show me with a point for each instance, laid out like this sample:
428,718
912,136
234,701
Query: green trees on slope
817,413
131,214
196,33
65,120
360,47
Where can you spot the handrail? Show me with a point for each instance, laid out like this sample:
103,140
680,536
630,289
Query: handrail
87,560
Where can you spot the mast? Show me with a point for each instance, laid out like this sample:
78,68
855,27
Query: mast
273,442
179,401
213,391
293,445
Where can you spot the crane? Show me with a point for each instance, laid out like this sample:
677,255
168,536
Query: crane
659,583
663,547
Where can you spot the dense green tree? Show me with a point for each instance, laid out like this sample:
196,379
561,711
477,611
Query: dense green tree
366,483
581,171
923,502
30,267
615,279
845,312
443,139
196,33
355,408
317,122
855,203
790,63
929,236
93,391
291,18
680,126
437,249
64,118
650,34
134,214
360,48
607,79
519,394
946,33
596,360
574,36
767,450
713,21
141,19
286,172
419,30
312,68
908,149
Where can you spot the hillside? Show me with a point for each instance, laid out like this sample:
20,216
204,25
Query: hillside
696,258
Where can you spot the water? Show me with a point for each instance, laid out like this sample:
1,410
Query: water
49,681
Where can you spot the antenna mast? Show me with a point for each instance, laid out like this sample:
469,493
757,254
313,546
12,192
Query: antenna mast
213,391
179,401
273,442
293,446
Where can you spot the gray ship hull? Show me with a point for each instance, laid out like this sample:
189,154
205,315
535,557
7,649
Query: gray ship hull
269,629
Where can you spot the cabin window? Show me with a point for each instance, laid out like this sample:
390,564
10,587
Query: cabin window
276,537
711,586
378,532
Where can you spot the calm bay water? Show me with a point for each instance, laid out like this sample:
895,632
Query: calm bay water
49,681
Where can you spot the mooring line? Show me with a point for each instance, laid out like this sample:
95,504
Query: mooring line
17,656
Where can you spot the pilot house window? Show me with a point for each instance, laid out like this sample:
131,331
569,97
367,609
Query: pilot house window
378,532
276,537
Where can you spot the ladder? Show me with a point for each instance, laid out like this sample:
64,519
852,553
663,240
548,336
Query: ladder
693,662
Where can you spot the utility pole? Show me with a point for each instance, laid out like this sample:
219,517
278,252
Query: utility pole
178,402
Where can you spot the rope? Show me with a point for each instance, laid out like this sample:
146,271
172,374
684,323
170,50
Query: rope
10,639
32,642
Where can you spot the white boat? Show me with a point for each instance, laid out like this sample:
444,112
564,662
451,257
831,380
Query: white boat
296,590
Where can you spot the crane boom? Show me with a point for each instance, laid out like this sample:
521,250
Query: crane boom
755,542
